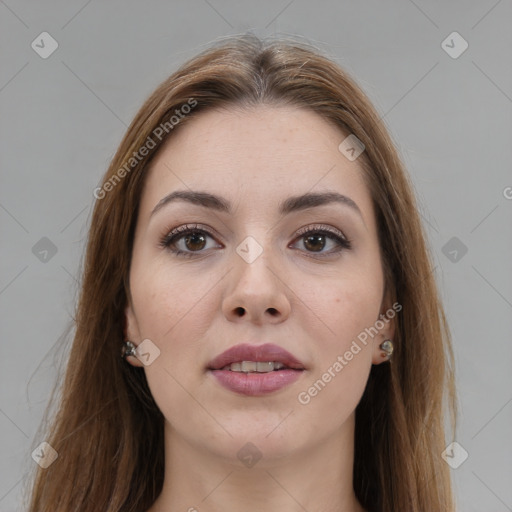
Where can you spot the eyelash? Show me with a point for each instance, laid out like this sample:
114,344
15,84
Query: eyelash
178,233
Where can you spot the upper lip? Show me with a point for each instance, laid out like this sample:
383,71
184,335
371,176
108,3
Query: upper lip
251,352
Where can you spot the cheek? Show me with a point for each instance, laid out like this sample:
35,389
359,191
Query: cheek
343,356
166,298
176,310
342,362
173,311
356,310
348,306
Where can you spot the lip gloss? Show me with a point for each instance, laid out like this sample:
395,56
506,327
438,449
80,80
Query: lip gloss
254,383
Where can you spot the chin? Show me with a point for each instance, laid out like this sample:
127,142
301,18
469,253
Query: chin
268,439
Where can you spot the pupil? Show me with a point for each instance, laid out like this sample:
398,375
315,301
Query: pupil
195,237
315,239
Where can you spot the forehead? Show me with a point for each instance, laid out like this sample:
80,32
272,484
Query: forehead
263,154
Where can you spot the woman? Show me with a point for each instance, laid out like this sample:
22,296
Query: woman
256,258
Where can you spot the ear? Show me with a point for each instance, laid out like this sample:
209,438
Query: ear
386,324
131,332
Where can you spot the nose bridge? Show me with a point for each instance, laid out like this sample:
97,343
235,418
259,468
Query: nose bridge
254,260
255,286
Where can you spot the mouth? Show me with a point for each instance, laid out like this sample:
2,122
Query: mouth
255,370
257,367
250,358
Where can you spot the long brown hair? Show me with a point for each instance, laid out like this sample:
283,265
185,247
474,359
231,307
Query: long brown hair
108,431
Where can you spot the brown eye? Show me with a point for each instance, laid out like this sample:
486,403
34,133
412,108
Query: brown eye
314,243
195,241
186,241
315,239
192,241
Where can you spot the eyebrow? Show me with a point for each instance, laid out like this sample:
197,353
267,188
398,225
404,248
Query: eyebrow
291,204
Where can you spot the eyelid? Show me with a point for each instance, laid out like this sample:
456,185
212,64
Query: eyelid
193,226
172,235
210,231
321,227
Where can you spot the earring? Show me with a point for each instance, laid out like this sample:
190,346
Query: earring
128,349
387,347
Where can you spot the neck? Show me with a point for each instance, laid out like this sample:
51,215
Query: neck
318,478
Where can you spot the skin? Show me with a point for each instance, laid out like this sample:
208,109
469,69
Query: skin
194,308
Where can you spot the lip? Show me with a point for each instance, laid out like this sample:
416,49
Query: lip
256,384
257,353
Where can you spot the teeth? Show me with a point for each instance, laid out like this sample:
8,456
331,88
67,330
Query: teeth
253,366
249,366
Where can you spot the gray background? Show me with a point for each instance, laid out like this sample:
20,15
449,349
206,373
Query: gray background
62,118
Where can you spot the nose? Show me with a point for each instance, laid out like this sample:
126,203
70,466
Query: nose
257,292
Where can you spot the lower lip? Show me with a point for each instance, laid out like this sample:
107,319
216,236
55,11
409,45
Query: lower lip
256,384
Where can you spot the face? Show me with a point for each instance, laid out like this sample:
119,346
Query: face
307,279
